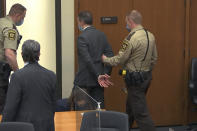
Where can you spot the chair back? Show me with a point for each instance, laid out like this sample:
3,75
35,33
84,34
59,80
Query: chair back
16,126
104,121
193,81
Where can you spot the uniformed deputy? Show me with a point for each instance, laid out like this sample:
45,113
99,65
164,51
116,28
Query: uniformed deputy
137,56
9,42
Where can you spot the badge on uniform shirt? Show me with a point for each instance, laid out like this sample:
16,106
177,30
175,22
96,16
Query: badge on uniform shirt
124,45
11,34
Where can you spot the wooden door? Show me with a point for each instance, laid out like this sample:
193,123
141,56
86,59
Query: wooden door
192,111
164,18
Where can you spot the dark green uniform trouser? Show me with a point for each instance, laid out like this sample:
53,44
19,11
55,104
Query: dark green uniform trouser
3,92
4,81
137,107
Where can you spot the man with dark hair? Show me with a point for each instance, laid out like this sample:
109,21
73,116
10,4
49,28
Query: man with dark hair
31,92
91,44
9,42
86,17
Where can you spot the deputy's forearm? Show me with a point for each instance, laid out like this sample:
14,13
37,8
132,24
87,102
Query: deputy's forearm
11,58
112,61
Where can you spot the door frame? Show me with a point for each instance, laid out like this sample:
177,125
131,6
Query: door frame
2,8
187,61
58,47
76,31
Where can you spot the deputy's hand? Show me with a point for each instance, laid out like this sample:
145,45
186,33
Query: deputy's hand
103,57
104,81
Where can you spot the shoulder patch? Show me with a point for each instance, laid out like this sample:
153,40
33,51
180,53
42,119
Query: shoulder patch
124,45
11,34
130,35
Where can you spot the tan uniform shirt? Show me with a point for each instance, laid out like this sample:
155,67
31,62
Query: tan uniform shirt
133,50
8,36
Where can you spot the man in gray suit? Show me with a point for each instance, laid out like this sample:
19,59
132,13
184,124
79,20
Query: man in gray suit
31,92
91,44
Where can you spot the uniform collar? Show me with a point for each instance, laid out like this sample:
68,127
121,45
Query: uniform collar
10,19
139,27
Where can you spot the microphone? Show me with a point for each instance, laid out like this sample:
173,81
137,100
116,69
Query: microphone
98,103
98,107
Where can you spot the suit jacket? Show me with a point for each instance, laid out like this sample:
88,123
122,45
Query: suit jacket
91,44
31,97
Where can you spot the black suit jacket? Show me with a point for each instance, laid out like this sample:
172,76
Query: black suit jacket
31,97
91,44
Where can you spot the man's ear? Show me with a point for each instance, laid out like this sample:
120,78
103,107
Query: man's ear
131,21
82,23
17,15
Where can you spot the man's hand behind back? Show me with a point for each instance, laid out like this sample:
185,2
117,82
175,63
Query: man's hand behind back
104,81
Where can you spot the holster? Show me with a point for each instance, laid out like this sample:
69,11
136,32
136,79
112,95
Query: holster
5,70
19,40
135,78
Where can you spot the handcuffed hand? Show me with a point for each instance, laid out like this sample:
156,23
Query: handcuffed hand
104,81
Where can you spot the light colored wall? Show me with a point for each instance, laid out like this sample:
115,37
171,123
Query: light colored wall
39,25
67,46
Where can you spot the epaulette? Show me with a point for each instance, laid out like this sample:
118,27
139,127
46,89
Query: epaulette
130,35
4,29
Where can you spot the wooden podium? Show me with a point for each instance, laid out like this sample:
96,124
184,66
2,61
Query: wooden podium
68,121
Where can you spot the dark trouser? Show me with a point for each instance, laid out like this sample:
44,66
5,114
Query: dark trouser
4,80
81,100
3,92
137,107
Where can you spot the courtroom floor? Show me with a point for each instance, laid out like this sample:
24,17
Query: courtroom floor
172,128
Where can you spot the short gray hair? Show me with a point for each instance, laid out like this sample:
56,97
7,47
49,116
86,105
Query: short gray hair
31,51
135,16
17,8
